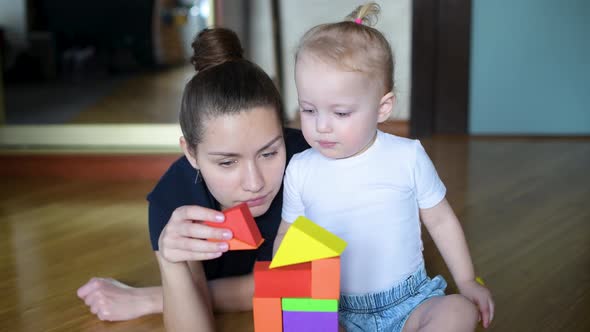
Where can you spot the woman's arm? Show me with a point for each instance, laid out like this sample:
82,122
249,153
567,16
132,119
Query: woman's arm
233,293
185,297
186,300
228,294
112,300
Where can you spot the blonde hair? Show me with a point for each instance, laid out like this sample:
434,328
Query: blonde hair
353,44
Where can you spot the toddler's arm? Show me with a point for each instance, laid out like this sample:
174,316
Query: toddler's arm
445,229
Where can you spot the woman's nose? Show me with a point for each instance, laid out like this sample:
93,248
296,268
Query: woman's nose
253,180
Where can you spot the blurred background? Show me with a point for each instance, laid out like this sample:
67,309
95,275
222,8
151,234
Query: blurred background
481,68
70,62
70,65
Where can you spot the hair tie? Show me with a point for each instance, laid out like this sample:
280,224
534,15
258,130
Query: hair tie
358,21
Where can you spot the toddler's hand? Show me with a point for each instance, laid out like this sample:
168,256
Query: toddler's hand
482,297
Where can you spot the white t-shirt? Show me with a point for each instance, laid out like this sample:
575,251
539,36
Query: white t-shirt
371,201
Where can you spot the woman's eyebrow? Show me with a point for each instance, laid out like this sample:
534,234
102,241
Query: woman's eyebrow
234,154
224,154
269,144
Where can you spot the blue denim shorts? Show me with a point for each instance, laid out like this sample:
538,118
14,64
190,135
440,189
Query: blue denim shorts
389,310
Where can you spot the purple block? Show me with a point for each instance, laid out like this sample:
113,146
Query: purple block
306,321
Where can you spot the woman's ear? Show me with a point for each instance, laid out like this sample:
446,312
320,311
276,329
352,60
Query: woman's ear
188,153
386,107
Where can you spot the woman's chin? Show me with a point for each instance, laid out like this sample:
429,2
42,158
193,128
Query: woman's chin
259,210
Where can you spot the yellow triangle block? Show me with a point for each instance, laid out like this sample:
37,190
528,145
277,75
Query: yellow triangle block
305,241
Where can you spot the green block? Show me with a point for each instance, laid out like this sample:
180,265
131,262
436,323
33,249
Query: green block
309,304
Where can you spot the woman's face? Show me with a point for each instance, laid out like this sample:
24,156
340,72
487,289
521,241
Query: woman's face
242,158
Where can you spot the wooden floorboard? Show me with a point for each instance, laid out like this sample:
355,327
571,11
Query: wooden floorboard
523,205
86,166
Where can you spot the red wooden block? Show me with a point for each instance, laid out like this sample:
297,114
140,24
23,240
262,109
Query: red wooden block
235,244
268,314
325,278
285,281
243,226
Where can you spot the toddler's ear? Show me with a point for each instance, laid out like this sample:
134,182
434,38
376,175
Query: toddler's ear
386,107
188,153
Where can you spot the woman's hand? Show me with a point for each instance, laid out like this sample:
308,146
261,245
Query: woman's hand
185,236
112,300
482,297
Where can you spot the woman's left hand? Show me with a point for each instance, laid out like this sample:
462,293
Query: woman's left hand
482,297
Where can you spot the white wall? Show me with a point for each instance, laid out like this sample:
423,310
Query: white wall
13,19
530,67
261,47
395,22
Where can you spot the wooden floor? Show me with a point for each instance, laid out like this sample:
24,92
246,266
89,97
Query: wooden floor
524,205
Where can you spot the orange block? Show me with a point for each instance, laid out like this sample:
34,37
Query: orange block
325,278
268,314
239,245
285,281
243,226
235,244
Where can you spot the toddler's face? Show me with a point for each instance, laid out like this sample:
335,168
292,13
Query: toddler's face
339,109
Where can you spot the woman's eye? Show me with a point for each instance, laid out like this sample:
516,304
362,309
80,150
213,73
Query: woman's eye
269,154
226,163
307,111
342,114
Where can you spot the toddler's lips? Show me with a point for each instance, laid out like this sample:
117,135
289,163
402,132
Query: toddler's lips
326,144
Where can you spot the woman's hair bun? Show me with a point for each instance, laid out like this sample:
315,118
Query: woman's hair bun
214,46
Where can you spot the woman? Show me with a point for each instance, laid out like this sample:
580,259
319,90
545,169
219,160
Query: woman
235,150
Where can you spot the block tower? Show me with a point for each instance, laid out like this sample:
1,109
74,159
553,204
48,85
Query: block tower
300,288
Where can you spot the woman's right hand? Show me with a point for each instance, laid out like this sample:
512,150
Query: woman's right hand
185,236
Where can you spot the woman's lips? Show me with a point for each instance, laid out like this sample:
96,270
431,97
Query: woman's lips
257,201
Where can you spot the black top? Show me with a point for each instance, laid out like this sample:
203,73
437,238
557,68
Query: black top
177,188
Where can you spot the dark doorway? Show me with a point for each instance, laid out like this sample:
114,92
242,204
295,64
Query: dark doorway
441,32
